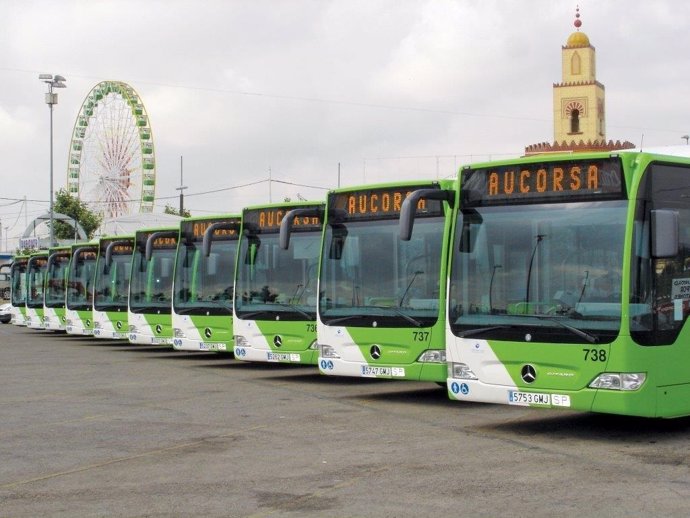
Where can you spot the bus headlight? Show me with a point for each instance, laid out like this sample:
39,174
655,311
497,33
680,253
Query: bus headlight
132,329
326,351
314,345
433,356
96,325
241,341
178,333
619,380
461,371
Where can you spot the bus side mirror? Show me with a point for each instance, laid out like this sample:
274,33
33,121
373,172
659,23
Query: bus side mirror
157,235
220,225
664,233
109,254
467,237
408,209
337,245
289,219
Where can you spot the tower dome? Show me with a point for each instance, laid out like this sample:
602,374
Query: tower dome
578,39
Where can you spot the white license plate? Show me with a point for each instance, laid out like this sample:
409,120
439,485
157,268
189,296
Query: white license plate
213,346
158,340
383,372
278,357
528,398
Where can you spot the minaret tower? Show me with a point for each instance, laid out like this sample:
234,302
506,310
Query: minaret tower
578,100
579,118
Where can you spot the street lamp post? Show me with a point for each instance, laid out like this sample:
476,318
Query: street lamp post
53,81
181,188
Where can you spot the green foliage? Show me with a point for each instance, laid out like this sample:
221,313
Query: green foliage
169,209
73,207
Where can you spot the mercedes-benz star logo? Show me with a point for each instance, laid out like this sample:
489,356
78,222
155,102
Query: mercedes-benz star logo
159,328
207,332
528,373
118,324
375,352
277,341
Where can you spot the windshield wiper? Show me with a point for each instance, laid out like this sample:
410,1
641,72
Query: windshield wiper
296,310
479,330
110,307
251,314
401,313
395,310
202,305
579,332
341,319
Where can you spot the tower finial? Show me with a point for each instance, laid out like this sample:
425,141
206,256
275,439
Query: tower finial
577,23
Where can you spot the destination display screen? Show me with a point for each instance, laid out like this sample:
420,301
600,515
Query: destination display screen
120,248
60,258
195,230
38,263
563,181
87,254
383,203
165,242
268,220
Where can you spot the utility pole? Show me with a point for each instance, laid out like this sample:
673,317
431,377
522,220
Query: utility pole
53,81
181,188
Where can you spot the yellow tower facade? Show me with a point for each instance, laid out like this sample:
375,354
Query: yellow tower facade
579,116
578,100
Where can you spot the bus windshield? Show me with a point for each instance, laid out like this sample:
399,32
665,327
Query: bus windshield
370,277
204,285
151,281
555,267
37,269
112,282
19,283
55,284
275,283
80,279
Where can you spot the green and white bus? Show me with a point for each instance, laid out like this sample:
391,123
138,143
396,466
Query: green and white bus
276,288
80,279
150,286
18,292
204,282
570,284
111,287
35,285
381,293
56,288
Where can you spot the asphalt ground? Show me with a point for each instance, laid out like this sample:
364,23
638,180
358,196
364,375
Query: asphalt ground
103,428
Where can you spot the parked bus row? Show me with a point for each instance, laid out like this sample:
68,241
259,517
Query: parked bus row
557,281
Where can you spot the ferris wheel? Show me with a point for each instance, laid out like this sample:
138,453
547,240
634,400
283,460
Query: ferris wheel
112,167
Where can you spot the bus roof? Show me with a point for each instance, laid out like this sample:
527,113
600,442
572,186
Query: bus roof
212,217
443,182
674,152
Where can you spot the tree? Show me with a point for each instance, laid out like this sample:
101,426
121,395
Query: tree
76,209
169,209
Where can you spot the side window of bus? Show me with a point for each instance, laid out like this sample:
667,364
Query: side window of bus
661,305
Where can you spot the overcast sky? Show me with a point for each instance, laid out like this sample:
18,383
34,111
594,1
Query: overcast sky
388,89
